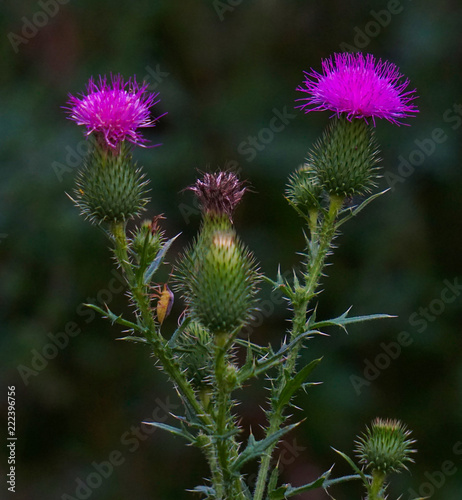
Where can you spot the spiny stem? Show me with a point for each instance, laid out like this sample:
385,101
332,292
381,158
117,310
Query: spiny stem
319,248
157,342
226,447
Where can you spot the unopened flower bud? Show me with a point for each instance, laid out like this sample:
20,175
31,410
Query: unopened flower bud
385,446
217,274
304,189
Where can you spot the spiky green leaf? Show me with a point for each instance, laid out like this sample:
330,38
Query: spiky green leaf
256,449
154,265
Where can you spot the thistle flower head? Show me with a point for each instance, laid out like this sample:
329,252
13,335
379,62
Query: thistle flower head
219,193
114,110
360,87
385,446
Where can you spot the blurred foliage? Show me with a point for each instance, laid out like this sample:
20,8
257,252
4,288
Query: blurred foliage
221,81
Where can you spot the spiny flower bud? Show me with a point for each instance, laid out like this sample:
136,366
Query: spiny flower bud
303,189
219,193
147,240
346,158
217,274
218,278
109,188
385,446
196,349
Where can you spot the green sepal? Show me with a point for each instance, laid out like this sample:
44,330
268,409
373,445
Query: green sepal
255,449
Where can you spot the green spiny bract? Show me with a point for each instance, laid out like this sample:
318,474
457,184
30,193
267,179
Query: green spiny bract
195,348
345,158
385,446
109,188
218,277
303,189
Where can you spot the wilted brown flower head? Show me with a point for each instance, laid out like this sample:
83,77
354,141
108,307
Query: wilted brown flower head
219,193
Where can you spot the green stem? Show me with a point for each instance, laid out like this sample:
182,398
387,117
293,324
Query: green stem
376,486
226,445
319,248
219,451
159,346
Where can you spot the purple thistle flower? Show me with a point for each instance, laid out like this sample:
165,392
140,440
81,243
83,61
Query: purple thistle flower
360,87
115,110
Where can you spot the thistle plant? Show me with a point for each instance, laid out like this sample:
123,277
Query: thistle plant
218,277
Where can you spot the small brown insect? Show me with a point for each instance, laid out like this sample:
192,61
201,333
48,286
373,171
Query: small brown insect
164,303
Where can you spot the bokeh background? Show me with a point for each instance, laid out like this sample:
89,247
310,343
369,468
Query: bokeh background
224,69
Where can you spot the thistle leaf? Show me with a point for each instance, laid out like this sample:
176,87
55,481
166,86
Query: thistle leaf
205,490
173,430
343,320
108,314
255,448
293,384
353,465
351,212
287,490
131,338
176,334
152,268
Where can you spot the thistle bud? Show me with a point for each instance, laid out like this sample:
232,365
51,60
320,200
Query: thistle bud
345,158
147,240
385,447
196,348
217,274
304,190
109,188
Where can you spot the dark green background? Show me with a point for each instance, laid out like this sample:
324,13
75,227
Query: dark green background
220,82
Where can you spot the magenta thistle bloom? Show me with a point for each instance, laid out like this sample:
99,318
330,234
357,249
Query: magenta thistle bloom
360,87
115,110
